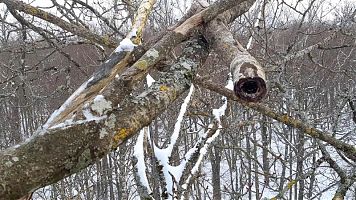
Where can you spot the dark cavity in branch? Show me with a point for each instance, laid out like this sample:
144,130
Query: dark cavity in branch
251,89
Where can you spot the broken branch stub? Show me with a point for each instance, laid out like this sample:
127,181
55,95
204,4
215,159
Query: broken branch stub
249,78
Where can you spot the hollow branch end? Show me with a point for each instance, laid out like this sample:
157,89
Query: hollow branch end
251,89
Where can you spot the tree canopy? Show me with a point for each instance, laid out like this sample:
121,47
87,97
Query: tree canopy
141,92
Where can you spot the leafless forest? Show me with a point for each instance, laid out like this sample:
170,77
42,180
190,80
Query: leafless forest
184,135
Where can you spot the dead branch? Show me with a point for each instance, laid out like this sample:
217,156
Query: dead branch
248,75
347,149
70,27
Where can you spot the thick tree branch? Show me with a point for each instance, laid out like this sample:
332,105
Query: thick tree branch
115,64
71,146
248,75
347,149
66,148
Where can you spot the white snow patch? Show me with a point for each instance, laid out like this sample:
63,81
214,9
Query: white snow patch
87,114
133,33
230,83
15,159
149,80
178,123
101,47
141,167
125,45
66,103
100,104
69,123
218,113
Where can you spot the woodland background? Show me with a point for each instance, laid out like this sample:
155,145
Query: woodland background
254,157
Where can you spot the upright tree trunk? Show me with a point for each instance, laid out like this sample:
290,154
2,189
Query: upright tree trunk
255,165
215,159
265,144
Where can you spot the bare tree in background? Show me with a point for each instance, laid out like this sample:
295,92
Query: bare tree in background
198,138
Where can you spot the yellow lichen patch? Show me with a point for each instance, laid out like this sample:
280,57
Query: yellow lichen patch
117,138
284,118
290,184
310,131
45,16
294,123
121,136
31,10
163,88
141,65
106,40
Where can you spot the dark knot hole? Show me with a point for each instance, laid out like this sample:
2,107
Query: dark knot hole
250,87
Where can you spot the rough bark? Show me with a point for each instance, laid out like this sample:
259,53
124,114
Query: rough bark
248,75
118,61
348,149
26,167
215,156
71,146
157,52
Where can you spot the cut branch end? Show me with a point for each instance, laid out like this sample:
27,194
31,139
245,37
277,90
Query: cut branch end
251,89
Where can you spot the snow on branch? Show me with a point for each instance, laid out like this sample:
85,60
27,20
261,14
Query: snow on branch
175,185
348,149
202,153
115,64
178,123
69,150
139,165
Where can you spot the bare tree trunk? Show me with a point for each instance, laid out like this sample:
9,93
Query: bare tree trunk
300,161
290,156
265,144
249,163
110,178
215,158
255,165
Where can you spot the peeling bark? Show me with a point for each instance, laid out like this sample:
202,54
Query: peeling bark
248,75
135,73
65,147
40,161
